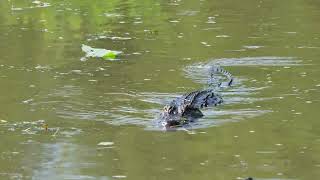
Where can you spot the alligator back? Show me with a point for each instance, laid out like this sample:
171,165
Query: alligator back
199,99
192,101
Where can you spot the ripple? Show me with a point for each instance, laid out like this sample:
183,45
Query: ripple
257,61
240,96
41,127
242,100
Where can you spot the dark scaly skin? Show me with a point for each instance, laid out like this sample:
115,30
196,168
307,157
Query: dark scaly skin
186,108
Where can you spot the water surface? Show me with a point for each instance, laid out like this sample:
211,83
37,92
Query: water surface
101,114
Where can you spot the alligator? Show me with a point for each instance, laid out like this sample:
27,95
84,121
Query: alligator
186,108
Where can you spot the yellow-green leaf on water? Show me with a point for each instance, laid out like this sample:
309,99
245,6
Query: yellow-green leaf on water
109,56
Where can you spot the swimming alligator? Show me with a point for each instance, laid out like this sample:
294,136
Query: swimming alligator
186,108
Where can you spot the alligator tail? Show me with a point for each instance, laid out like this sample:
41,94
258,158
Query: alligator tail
217,69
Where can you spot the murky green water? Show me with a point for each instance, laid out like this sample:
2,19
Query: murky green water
101,114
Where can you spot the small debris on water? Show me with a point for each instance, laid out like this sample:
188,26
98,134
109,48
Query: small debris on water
76,71
119,176
174,21
3,121
45,126
105,143
27,101
40,67
252,47
222,36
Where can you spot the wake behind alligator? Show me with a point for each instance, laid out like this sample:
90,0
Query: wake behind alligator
186,109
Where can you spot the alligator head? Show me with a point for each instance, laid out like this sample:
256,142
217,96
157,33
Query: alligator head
175,116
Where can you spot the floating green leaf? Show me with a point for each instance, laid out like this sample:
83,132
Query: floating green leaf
99,53
109,56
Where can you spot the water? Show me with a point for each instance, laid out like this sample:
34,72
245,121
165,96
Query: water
101,114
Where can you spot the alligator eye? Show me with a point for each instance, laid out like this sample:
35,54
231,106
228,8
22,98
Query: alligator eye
166,108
